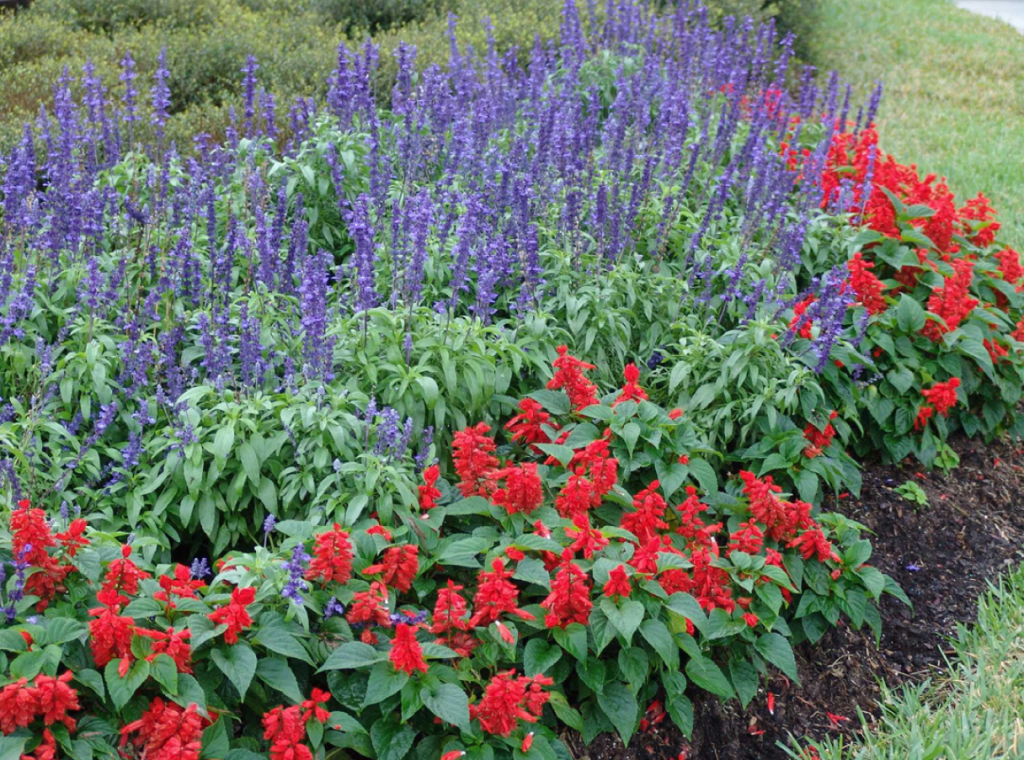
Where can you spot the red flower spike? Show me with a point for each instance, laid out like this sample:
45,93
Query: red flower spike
618,584
570,376
428,492
235,614
475,463
332,557
631,391
406,653
399,568
569,600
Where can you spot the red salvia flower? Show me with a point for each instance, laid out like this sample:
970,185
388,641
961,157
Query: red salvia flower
123,575
235,614
801,323
980,210
111,636
866,285
1009,266
618,583
569,600
528,426
167,731
285,729
332,557
507,700
522,492
172,643
951,301
747,538
942,395
495,596
924,414
819,439
570,375
180,585
55,698
370,607
450,610
577,495
313,708
429,492
648,519
474,461
587,540
31,536
711,584
74,538
631,391
812,543
17,706
406,653
399,568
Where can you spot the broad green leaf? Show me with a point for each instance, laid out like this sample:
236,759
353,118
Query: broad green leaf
238,663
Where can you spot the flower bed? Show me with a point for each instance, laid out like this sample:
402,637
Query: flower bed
557,562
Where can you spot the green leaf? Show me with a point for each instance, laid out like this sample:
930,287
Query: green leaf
634,664
555,402
276,674
745,679
430,391
779,653
165,673
216,743
354,654
448,702
12,747
384,681
689,608
708,676
62,630
910,317
250,462
539,656
391,738
122,689
573,639
562,453
223,441
625,618
238,663
619,703
658,636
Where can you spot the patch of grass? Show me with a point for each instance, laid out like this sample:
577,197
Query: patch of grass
954,100
976,711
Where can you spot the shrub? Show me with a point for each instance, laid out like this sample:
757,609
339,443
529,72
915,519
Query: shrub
564,589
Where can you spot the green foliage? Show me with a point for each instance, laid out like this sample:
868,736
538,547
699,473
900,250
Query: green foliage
913,493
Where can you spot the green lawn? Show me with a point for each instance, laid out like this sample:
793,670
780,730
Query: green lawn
954,101
975,712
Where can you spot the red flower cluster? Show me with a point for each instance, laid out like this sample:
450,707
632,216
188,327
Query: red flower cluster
943,395
235,614
495,596
369,608
800,322
570,375
648,519
429,492
285,727
528,426
569,600
50,699
167,731
508,699
399,568
864,283
781,519
819,439
951,301
406,653
332,557
31,540
618,583
522,490
631,391
475,463
181,585
172,643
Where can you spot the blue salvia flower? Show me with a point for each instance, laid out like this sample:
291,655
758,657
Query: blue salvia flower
296,569
249,88
334,607
200,568
160,93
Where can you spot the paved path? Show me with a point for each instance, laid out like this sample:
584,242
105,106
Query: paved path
1010,11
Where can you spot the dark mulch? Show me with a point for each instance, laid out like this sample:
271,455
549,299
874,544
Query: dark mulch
942,555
